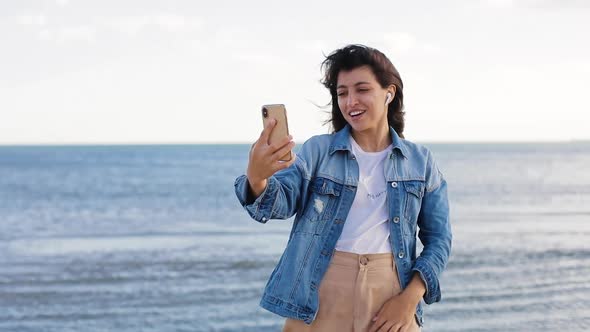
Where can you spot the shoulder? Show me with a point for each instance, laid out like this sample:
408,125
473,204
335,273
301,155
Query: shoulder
323,140
422,161
313,152
416,152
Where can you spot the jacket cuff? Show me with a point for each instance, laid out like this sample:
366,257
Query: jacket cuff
260,209
429,277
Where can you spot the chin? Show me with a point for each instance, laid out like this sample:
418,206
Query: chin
358,129
358,126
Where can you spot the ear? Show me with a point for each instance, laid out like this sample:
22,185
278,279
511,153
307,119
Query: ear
390,94
392,90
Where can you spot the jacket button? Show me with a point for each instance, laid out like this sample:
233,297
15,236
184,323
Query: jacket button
264,219
353,157
401,254
396,220
394,184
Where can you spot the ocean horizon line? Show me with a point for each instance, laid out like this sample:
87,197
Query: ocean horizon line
447,142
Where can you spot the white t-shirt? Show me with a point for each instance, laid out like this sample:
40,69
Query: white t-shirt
366,230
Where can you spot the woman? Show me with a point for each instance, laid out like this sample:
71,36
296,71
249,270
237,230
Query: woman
359,196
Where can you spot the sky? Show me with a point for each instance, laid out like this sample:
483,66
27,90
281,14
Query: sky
145,72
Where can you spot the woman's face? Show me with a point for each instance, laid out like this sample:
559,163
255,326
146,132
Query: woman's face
361,99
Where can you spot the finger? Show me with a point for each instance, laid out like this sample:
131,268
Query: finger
278,154
385,327
376,326
280,143
393,328
292,161
252,146
389,327
378,314
285,164
405,328
258,150
265,134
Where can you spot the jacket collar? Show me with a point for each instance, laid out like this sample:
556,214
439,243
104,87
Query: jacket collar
341,141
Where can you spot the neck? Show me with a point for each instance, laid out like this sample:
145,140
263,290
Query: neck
372,140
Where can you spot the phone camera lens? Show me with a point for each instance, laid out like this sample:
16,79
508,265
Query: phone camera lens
265,112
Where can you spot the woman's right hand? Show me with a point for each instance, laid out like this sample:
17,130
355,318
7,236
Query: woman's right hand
264,158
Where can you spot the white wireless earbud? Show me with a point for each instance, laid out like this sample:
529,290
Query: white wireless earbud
388,98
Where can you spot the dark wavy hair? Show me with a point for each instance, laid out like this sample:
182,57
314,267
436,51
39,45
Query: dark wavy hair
354,56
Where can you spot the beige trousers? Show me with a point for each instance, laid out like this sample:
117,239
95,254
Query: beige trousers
351,293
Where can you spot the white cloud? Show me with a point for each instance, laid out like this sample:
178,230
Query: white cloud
260,58
128,25
132,25
84,33
313,46
168,65
400,41
405,43
173,23
500,3
37,19
548,4
233,37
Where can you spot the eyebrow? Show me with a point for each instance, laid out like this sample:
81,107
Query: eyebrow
358,83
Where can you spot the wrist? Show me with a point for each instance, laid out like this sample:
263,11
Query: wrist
415,289
252,178
411,297
257,186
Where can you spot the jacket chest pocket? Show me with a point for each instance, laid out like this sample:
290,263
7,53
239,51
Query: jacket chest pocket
320,206
413,193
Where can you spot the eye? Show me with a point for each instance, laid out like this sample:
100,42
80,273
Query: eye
341,93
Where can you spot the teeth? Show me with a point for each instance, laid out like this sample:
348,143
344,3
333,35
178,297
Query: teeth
356,113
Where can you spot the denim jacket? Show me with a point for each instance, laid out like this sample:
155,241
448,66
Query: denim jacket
319,188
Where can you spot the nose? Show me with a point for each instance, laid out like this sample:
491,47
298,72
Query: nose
351,99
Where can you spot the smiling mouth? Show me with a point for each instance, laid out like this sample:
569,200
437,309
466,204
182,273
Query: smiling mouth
356,113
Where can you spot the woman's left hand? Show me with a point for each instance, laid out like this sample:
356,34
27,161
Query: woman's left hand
397,314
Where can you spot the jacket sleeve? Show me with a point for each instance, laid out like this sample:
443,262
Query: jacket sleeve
283,193
435,232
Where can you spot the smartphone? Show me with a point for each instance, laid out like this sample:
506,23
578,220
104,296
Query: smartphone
281,129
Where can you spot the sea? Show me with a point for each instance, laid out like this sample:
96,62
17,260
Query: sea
152,238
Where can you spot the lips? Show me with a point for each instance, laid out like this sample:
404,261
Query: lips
354,114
